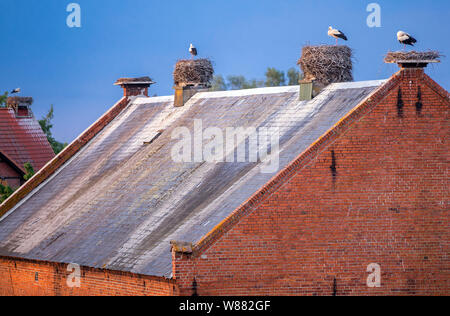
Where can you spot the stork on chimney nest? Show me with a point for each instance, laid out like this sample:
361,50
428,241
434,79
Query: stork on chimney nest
336,34
193,51
405,39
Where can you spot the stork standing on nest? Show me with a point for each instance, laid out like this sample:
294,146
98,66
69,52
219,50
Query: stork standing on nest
336,34
193,51
405,39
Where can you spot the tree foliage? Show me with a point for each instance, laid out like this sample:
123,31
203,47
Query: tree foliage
46,125
273,78
5,192
236,82
218,83
294,77
30,171
3,99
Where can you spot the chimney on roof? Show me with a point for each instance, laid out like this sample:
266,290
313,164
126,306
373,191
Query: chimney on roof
135,86
20,105
323,65
191,76
412,59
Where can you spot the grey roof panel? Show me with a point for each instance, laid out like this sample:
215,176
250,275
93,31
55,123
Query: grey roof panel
118,203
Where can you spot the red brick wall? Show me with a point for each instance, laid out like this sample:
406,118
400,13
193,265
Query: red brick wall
18,277
376,193
8,173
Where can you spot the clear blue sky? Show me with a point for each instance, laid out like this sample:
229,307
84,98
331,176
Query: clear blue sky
74,69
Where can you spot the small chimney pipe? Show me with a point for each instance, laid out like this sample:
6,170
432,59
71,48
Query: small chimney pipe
135,86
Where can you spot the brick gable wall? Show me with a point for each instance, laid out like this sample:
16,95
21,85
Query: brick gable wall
374,192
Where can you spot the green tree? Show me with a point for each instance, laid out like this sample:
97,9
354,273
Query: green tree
3,99
30,171
218,83
236,82
294,76
275,78
46,125
5,192
240,82
252,84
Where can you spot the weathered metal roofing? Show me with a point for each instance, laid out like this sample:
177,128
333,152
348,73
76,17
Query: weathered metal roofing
23,140
118,203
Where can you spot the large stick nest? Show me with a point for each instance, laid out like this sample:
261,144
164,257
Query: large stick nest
19,100
193,72
393,57
327,64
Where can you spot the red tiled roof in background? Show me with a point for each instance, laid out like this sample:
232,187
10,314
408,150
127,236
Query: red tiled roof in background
23,140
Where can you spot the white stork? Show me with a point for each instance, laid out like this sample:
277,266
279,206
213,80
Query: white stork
15,91
405,39
336,34
193,51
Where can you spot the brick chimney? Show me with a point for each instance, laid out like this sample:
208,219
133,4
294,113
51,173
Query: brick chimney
20,105
135,86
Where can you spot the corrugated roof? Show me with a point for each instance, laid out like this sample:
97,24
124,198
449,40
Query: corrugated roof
23,140
118,203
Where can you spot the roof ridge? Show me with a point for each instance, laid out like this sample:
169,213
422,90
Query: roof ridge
247,92
264,90
305,157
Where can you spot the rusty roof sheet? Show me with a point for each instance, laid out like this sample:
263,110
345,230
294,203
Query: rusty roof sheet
23,140
118,203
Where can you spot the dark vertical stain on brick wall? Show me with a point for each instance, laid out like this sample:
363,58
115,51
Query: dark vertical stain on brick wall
334,287
333,166
419,104
56,290
194,288
400,103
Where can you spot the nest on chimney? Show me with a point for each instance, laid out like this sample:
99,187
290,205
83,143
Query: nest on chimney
327,64
394,57
193,72
19,100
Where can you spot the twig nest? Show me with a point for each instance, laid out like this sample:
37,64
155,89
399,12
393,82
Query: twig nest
327,64
193,72
393,57
19,100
